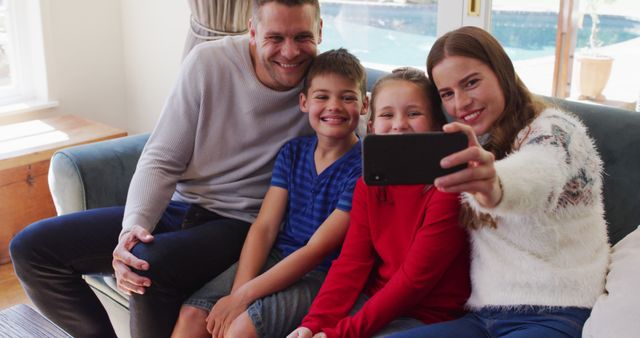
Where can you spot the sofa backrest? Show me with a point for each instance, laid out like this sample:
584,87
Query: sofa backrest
617,135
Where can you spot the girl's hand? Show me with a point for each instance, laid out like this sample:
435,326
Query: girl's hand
223,313
320,335
301,332
479,178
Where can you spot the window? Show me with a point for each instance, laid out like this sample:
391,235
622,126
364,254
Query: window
5,49
527,31
611,47
383,35
23,84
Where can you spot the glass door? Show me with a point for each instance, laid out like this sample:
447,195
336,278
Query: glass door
382,34
550,41
607,53
570,48
528,31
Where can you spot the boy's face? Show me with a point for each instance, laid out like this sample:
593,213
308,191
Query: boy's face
401,108
283,42
334,104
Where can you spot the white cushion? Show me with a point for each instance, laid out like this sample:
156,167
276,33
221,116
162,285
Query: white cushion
617,312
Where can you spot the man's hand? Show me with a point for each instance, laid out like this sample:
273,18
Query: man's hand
226,310
301,332
124,260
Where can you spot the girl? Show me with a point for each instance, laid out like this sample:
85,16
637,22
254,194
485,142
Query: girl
532,198
405,260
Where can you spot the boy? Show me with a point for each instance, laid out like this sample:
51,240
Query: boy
270,289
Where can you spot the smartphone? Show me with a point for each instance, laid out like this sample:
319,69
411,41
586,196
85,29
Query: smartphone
409,158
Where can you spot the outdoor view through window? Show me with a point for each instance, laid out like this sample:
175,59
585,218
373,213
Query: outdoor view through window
5,66
392,33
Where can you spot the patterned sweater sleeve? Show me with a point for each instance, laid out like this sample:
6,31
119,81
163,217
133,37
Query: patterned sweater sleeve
555,164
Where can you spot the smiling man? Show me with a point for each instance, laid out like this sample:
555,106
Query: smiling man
197,188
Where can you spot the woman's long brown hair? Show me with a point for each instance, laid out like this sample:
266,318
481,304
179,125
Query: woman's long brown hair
521,107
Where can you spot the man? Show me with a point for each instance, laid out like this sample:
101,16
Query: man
211,154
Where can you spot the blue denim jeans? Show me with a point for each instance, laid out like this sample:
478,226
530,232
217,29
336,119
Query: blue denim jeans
50,257
396,325
524,322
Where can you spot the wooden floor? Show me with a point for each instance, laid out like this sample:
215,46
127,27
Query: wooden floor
11,292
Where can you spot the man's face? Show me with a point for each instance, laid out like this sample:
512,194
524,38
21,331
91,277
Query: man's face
283,43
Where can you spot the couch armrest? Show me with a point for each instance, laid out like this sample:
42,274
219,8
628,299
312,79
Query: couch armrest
94,175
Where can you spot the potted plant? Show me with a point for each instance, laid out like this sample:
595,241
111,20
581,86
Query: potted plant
595,67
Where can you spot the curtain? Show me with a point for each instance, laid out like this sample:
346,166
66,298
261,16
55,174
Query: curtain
215,19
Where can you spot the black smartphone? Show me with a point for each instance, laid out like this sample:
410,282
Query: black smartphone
409,158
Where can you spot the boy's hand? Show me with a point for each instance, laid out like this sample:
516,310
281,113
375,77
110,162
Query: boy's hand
301,332
224,312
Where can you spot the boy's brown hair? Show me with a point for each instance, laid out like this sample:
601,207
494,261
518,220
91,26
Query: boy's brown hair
339,62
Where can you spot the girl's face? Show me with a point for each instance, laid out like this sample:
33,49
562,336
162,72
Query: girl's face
470,92
401,107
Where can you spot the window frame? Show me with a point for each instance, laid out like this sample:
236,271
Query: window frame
28,90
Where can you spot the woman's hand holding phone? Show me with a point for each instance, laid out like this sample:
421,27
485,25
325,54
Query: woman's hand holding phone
479,178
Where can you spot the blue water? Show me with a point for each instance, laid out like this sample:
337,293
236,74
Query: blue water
375,44
403,35
392,47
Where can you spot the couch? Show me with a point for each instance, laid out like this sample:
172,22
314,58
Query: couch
97,175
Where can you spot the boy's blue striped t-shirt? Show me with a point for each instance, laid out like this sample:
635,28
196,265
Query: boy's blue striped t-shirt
312,197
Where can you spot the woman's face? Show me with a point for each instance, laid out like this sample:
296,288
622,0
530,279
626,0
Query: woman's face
470,92
401,107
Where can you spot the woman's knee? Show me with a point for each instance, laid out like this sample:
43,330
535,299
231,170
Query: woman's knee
242,327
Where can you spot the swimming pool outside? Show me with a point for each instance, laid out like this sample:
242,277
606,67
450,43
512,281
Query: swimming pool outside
386,36
403,34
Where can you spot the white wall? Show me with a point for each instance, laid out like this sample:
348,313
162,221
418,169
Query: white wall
113,61
83,51
153,38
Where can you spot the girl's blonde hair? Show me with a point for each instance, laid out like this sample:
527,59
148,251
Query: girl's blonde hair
418,78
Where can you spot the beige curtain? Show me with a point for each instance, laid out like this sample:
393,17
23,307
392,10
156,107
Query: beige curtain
214,19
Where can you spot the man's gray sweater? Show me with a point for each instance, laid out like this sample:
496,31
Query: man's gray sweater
216,139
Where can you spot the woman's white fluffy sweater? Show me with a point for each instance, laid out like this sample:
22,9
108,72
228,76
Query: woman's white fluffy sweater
550,245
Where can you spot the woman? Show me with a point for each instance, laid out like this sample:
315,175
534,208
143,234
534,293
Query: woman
532,198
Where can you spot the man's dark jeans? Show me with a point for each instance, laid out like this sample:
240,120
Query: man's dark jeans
50,257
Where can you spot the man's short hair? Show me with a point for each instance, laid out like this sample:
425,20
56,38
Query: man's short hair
257,4
339,62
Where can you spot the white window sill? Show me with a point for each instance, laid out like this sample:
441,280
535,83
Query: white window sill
26,106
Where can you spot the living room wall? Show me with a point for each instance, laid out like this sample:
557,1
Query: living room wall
153,40
113,61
